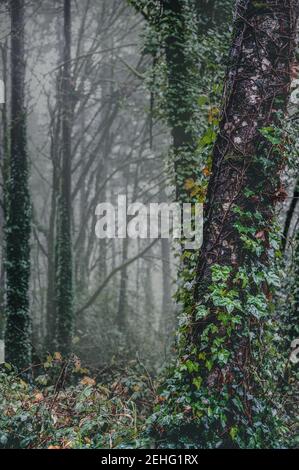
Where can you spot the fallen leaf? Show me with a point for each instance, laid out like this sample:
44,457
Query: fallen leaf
58,356
38,397
189,183
206,171
88,381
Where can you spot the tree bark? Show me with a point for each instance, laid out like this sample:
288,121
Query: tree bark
18,223
64,267
257,87
226,367
240,208
4,159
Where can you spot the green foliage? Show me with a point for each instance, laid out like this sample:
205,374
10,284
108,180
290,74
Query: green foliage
242,414
215,396
79,413
274,135
223,389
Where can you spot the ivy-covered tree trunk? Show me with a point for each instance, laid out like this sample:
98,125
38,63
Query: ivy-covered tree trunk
179,32
64,265
292,327
17,336
219,395
4,161
247,159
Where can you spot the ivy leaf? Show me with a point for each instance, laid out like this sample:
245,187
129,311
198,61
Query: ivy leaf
208,138
202,100
197,382
233,432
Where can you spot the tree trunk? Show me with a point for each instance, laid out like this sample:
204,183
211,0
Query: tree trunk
50,301
231,316
224,338
4,160
64,268
246,164
122,300
18,331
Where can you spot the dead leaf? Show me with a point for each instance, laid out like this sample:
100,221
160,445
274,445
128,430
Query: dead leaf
206,171
38,397
189,183
58,356
88,381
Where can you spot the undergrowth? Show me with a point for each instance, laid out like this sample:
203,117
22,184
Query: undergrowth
66,406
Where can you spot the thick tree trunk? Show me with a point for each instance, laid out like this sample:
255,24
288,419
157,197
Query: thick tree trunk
219,394
17,337
4,161
64,267
256,89
243,190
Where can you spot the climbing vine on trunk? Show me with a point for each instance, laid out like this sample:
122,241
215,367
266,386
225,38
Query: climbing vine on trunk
221,393
18,330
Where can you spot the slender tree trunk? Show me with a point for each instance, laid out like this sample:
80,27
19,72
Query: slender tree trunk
64,267
18,331
50,301
55,153
122,301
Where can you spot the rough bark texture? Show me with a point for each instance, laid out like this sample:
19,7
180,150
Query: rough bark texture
219,392
17,337
256,89
292,325
64,267
239,213
4,161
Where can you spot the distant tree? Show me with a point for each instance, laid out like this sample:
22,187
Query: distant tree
64,264
18,218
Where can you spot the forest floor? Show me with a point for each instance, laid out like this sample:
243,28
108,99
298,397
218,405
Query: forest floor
65,405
